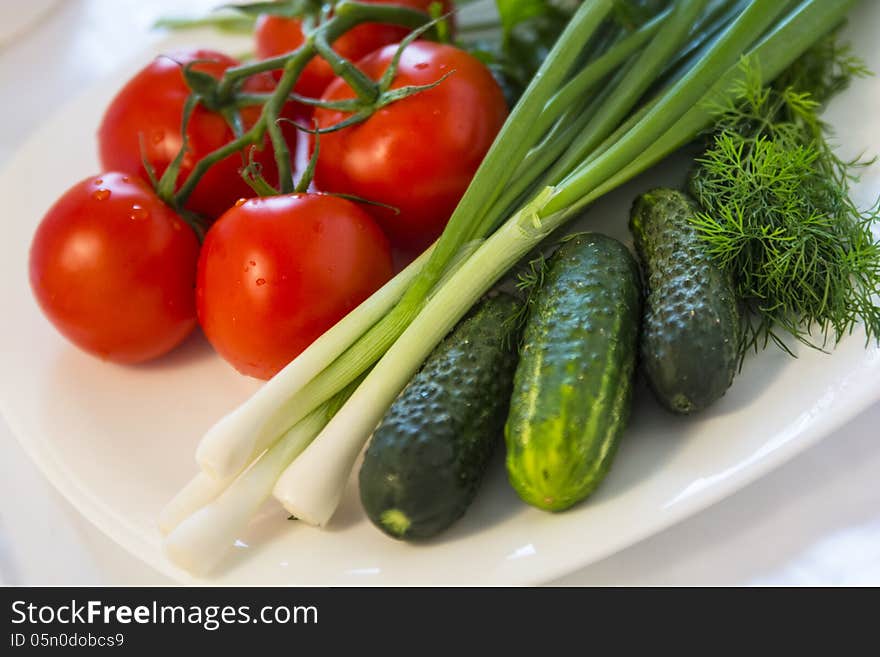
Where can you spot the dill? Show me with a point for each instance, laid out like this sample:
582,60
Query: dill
528,283
777,211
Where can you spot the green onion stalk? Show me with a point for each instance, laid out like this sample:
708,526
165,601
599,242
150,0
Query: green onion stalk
557,171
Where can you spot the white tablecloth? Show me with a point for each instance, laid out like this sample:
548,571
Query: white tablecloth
816,520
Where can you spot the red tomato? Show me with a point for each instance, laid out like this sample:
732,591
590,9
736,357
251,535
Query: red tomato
114,269
277,272
148,111
277,35
417,154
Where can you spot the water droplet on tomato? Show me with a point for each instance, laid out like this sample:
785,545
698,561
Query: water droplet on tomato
261,281
126,179
101,194
240,202
158,136
137,212
99,181
422,66
252,263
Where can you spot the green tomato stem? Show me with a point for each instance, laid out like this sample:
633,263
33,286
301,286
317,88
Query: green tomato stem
364,88
348,14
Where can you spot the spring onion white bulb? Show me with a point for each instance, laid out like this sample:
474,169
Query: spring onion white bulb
199,542
201,490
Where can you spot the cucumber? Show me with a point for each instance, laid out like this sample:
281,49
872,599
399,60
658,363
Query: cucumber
691,328
426,459
573,385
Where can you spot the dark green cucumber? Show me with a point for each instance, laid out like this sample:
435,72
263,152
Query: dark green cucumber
426,459
690,332
573,385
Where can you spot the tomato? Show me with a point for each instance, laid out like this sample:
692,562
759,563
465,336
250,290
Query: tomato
276,35
277,272
148,111
417,154
114,268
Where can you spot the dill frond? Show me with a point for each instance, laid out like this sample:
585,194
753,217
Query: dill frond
777,211
528,282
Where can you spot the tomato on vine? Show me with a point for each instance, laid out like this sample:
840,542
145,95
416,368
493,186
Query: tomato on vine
145,119
277,35
117,269
417,154
113,268
277,272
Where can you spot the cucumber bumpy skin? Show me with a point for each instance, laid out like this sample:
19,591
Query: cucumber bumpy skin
427,458
573,385
691,327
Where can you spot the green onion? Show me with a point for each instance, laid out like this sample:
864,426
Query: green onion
201,490
200,541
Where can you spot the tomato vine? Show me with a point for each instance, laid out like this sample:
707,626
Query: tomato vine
224,94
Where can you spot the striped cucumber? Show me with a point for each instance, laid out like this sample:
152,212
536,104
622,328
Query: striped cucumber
573,385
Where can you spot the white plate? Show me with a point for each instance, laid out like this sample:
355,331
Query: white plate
118,442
